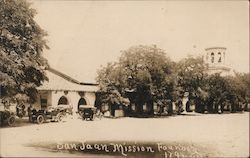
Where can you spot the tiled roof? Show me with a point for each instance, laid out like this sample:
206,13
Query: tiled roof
60,81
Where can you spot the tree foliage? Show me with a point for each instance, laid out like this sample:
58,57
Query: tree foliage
143,70
191,77
240,84
191,74
21,45
218,91
231,90
151,77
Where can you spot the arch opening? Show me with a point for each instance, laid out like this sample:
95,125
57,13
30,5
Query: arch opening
81,101
63,101
212,57
219,60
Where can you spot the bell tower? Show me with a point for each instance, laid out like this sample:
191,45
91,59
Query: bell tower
215,57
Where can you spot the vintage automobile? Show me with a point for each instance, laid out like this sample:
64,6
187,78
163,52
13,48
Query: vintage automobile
68,108
87,112
6,116
50,114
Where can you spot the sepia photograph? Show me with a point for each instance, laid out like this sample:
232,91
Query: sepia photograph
124,79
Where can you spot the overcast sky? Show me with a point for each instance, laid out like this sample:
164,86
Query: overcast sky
83,35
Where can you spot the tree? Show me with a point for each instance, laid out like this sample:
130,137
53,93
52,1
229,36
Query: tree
191,77
110,81
238,90
21,45
143,71
241,87
245,90
219,93
229,92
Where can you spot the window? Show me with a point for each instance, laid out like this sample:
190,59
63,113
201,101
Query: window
219,60
44,102
212,57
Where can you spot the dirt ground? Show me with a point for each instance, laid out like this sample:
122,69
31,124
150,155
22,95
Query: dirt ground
225,135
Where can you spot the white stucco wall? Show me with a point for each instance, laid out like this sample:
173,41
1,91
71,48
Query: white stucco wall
90,98
73,98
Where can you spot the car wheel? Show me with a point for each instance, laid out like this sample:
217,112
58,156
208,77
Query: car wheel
59,117
40,119
11,120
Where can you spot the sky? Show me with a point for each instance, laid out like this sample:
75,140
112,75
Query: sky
84,35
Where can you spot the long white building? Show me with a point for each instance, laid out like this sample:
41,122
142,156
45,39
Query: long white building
62,89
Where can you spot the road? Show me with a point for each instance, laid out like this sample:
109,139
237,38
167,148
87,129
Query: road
225,135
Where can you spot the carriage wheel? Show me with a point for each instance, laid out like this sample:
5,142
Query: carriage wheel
40,119
11,120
